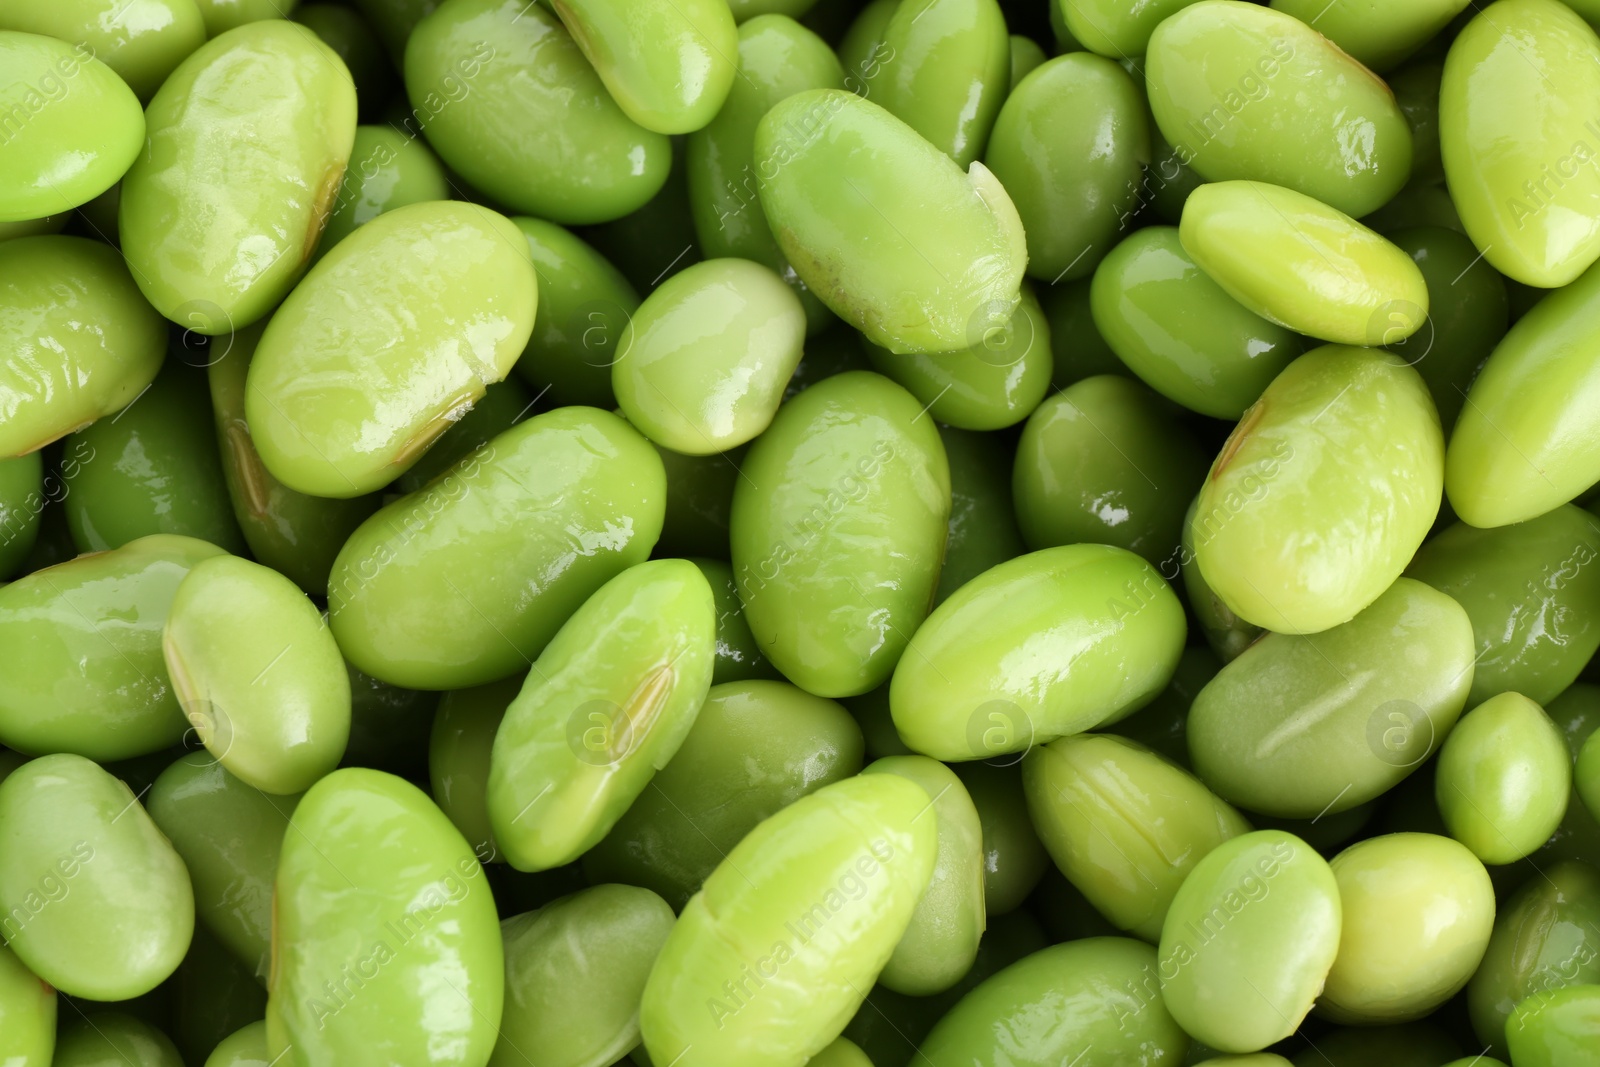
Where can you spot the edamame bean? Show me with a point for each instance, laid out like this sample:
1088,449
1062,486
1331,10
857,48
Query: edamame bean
1124,825
1180,332
944,68
1068,146
1226,633
1046,645
1248,941
1515,152
224,15
114,1039
229,836
575,970
755,748
341,403
1302,726
1113,29
818,896
1014,858
27,1014
1530,594
1322,493
459,750
243,1048
1556,1028
848,190
21,505
345,31
1096,1001
702,364
838,527
510,103
1302,264
1504,778
1026,57
375,884
1379,36
248,140
1417,910
82,341
1104,461
1229,85
96,901
388,169
1416,90
393,21
940,944
142,41
609,701
80,652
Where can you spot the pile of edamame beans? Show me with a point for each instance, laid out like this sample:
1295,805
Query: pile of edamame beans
862,533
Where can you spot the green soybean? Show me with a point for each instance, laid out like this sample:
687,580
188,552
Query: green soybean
944,69
838,527
510,103
393,21
1114,29
27,1014
1026,57
983,525
861,51
1104,461
375,882
1556,1028
142,41
576,473
1302,264
1124,825
1248,941
739,658
339,404
345,30
755,748
80,652
1096,1002
21,507
609,701
459,748
1379,36
1418,910
1299,726
246,1047
248,141
818,896
1531,595
388,169
1228,86
1046,645
1518,157
848,190
114,1039
1068,146
229,835
1014,858
1322,493
97,903
1416,90
224,15
1504,778
82,341
1180,332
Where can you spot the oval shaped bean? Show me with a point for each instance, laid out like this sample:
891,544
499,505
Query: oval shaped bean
1180,332
1300,726
755,748
72,125
388,169
510,103
988,386
609,701
340,403
1527,440
224,15
1104,461
82,341
96,901
1068,146
1096,1001
22,504
838,526
1113,29
1417,910
1322,493
1379,37
258,674
1125,826
1556,1028
142,41
242,1048
375,883
114,1039
1014,859
702,364
575,970
80,652
249,139
577,478
1504,778
1229,86
939,946
1531,595
1302,264
849,190
1046,645
944,68
229,835
27,1015
1248,941
1026,57
1518,156
459,748
347,32
777,951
